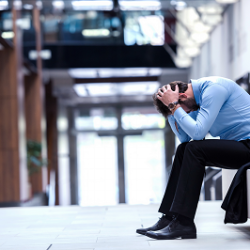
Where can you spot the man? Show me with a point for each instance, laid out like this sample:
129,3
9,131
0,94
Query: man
212,105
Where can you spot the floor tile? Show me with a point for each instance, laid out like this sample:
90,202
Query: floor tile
112,228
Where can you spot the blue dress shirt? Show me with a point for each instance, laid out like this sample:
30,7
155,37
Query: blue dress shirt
224,111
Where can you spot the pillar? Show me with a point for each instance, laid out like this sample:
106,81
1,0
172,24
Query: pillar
35,119
13,169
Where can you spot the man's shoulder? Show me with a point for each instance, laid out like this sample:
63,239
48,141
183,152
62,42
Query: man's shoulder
210,80
215,81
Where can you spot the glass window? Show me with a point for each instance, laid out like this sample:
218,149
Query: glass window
96,119
142,118
143,29
97,169
145,173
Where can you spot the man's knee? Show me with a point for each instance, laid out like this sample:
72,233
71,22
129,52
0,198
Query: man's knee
181,147
193,147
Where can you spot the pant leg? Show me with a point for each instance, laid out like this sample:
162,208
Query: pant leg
197,155
173,180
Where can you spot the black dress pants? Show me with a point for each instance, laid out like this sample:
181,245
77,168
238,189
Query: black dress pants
183,188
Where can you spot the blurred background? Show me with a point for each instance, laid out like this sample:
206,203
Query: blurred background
78,125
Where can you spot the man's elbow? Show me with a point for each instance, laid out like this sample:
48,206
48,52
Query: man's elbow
185,139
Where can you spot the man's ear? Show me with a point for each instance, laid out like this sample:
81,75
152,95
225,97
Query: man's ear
182,96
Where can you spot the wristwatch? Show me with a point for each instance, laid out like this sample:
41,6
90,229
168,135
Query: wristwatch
172,105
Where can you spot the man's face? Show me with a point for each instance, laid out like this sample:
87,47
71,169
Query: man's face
189,105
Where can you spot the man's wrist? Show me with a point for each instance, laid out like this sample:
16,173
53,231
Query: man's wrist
176,107
172,105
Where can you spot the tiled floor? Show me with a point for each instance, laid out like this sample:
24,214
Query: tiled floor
111,228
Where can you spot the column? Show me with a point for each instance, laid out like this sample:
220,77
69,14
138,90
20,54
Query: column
13,168
35,119
72,158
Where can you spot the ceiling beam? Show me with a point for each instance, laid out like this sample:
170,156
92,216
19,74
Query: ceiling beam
116,79
29,66
5,43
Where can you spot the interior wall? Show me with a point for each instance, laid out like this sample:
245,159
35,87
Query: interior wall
228,50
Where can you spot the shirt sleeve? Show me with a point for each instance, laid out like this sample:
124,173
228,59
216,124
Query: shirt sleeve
182,136
212,100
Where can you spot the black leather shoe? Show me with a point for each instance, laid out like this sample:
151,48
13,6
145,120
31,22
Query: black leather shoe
175,229
162,222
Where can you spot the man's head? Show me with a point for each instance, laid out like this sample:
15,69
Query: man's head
186,99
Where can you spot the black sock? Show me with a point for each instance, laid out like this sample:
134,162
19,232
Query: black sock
169,217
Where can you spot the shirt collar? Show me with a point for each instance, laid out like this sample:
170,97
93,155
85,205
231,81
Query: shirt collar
196,90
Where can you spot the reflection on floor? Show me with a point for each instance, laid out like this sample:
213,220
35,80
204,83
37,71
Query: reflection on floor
111,228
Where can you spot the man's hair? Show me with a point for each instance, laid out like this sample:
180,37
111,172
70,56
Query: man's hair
162,108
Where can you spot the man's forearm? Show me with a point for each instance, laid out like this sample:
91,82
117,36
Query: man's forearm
182,136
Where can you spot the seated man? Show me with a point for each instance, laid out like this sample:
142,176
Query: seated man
212,105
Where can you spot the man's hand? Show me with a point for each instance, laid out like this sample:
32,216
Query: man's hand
167,95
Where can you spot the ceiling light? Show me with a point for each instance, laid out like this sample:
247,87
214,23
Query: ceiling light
155,71
58,5
227,1
92,5
211,19
8,35
39,5
122,72
44,54
183,62
96,32
180,52
188,16
179,5
192,51
101,89
210,9
28,6
140,5
83,73
134,88
199,26
200,37
188,42
92,14
80,90
23,23
111,89
4,5
111,72
17,4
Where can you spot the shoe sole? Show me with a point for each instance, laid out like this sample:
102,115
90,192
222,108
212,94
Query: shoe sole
172,237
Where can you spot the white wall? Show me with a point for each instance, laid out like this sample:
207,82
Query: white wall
227,53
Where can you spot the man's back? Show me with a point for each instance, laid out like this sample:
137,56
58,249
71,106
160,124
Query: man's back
233,119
